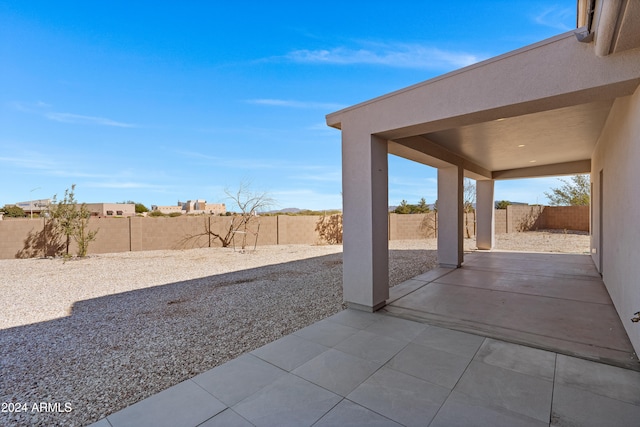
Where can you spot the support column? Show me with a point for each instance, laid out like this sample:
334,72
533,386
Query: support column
485,209
450,217
365,220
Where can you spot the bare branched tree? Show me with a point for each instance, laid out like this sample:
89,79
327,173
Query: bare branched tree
250,204
469,195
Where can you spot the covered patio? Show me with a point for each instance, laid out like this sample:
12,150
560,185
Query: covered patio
566,105
550,301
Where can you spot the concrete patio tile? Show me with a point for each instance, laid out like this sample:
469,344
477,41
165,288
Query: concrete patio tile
349,414
354,318
451,341
461,410
405,288
518,358
529,314
288,401
580,408
370,346
226,418
336,371
185,404
238,378
396,328
435,273
578,289
326,332
403,398
597,378
289,352
435,366
516,392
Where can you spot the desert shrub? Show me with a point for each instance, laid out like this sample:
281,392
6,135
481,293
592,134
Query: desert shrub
329,228
156,214
502,204
175,214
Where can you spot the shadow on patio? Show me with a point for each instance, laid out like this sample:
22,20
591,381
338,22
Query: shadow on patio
556,302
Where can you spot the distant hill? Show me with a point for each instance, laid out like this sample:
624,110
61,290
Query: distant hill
297,211
285,210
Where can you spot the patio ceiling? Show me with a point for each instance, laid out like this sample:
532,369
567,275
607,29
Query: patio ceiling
549,137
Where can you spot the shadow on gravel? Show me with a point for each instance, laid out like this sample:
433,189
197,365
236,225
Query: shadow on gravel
115,350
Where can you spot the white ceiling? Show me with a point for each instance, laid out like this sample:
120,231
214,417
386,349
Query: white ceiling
549,137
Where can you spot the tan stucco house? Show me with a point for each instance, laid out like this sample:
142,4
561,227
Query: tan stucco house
566,105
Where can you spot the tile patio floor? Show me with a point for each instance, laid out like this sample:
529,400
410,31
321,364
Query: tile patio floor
556,302
375,369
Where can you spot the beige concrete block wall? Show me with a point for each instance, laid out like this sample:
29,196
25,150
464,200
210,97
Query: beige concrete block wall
566,217
413,226
294,230
500,216
143,234
113,235
268,234
13,234
523,218
171,233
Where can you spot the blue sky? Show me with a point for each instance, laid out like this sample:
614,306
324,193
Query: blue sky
164,101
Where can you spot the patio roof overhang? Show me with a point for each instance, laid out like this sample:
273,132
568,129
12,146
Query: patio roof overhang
537,111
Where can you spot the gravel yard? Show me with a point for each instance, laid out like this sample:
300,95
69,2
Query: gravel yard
98,334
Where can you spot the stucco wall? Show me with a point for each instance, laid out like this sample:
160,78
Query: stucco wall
617,157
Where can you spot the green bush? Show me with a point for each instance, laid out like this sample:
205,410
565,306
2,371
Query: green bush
175,214
140,208
157,214
13,211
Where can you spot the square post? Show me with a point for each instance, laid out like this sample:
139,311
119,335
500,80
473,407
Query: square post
485,208
365,220
450,216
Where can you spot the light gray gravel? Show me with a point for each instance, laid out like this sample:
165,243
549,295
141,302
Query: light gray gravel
107,331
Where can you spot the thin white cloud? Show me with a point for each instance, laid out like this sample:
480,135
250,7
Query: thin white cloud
398,55
245,163
330,176
297,104
29,161
85,120
44,109
555,17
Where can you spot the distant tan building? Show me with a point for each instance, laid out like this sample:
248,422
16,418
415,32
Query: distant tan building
106,210
193,207
34,206
96,209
